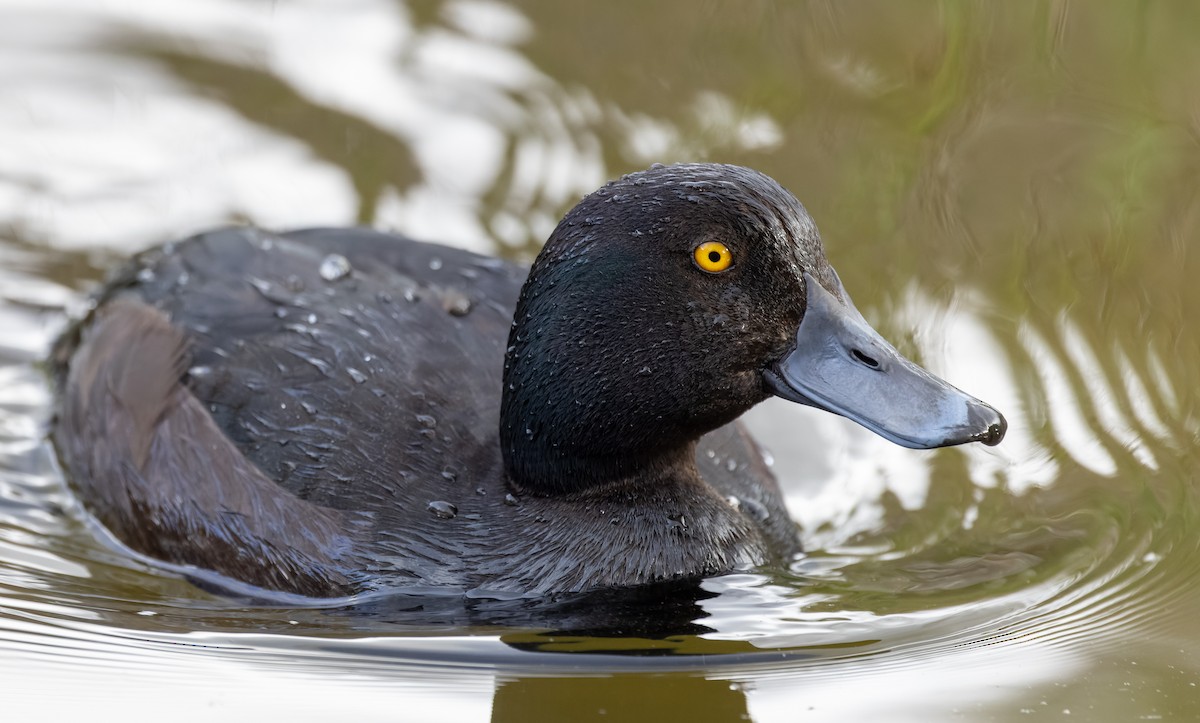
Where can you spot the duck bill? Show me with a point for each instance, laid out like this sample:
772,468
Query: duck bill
842,365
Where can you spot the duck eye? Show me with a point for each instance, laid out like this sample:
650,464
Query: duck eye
713,256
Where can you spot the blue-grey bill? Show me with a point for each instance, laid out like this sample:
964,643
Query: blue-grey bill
842,365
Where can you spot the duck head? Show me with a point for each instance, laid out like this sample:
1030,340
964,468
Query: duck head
672,300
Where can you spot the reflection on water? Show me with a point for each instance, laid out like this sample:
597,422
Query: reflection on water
1009,192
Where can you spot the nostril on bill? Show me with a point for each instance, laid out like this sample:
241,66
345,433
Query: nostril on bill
869,361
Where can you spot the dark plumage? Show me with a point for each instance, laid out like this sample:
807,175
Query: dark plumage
332,410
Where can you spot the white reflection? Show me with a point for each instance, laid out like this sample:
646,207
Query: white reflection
1162,381
486,20
769,616
834,473
958,345
1139,398
186,678
1070,428
114,151
715,122
109,151
1100,393
941,689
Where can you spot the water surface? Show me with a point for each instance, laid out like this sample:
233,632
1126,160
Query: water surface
1008,190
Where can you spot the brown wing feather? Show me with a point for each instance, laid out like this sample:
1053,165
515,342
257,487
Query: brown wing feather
159,473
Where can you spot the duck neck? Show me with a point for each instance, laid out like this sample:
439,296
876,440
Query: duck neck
549,465
569,425
583,408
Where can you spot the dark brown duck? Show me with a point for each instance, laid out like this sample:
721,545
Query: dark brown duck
332,411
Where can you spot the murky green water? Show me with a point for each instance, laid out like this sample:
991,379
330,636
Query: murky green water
1010,191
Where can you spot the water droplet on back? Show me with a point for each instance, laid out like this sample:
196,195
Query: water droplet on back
456,304
755,509
443,509
334,267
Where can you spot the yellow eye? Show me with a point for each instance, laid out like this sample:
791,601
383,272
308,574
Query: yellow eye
713,256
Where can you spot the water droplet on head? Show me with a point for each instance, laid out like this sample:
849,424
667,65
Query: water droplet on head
435,263
427,420
443,509
145,276
356,375
644,371
449,474
511,500
334,267
678,519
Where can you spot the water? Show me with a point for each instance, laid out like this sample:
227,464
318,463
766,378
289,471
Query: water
1009,191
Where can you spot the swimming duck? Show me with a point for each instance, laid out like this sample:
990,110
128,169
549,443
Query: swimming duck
331,411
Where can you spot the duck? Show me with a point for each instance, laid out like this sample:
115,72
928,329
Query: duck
337,411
